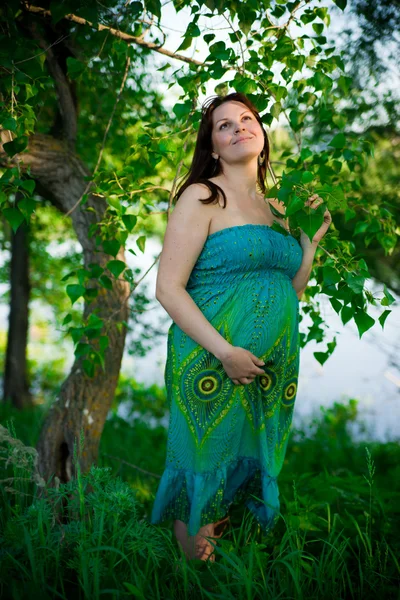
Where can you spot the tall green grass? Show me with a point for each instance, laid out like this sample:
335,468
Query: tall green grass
337,536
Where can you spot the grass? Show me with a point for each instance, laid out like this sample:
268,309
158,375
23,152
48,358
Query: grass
337,535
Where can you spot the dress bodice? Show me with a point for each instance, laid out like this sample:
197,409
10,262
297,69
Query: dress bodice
242,251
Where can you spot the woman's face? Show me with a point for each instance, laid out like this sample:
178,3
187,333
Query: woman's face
236,135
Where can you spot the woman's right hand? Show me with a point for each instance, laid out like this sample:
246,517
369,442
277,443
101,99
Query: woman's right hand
241,365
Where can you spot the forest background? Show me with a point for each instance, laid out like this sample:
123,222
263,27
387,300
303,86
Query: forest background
99,112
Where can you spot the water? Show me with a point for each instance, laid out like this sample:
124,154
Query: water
367,369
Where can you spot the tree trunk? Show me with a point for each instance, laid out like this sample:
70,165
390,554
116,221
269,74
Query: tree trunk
83,402
16,386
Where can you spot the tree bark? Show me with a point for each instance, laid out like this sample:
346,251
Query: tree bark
16,386
83,402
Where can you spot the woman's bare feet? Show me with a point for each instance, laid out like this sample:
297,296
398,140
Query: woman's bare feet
195,546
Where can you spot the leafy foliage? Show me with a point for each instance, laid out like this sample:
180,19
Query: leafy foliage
310,88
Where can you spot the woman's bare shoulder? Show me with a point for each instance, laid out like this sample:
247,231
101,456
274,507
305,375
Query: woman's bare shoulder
195,190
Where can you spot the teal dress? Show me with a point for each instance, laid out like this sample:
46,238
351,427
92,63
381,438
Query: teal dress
226,442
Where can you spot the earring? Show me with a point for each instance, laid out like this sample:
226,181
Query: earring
261,158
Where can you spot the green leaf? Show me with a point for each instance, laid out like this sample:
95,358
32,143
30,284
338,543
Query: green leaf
186,43
116,267
272,192
95,270
129,221
333,195
220,52
388,299
321,81
275,211
115,203
95,322
76,333
16,146
346,314
75,291
208,37
14,217
310,222
106,282
341,3
321,357
9,123
296,119
28,184
361,227
111,247
245,85
307,176
81,349
91,294
384,316
154,6
280,92
68,275
305,154
88,367
279,228
182,110
294,205
318,28
284,194
104,342
340,121
192,30
339,141
27,206
276,109
67,319
83,275
337,306
349,213
141,242
363,321
355,282
331,275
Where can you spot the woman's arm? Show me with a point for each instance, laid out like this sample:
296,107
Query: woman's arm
186,314
184,239
300,280
302,276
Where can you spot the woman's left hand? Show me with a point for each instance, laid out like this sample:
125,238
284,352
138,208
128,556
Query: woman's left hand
314,201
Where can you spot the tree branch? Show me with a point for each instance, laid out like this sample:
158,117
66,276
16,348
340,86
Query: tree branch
130,39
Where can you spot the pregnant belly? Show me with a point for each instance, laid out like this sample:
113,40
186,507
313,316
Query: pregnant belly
261,313
252,312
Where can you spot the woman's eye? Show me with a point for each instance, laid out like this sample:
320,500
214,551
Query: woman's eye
246,117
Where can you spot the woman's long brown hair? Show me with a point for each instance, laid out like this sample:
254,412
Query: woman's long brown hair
203,164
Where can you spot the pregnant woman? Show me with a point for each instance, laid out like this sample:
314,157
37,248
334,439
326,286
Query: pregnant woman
231,285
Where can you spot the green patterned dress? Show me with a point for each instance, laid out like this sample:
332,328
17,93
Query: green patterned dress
226,442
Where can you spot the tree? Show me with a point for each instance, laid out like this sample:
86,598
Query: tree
67,60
